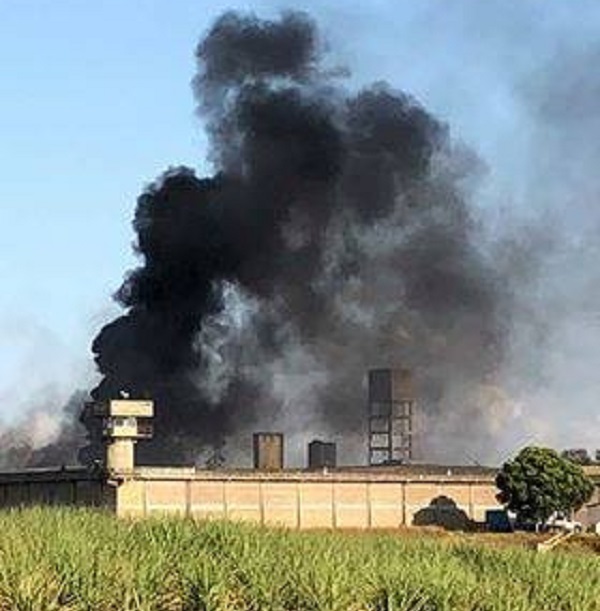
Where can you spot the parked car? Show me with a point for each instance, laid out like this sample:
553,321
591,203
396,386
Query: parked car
560,522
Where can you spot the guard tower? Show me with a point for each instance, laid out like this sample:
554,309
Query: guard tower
391,406
124,421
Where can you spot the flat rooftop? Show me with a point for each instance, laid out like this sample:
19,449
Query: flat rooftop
414,472
356,474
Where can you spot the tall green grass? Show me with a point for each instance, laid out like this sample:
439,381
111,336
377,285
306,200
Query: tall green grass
77,559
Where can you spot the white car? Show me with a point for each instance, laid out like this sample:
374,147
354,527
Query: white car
559,522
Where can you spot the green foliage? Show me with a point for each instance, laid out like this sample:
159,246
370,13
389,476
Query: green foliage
69,559
539,482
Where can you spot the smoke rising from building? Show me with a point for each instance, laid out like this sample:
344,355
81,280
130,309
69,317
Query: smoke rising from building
334,235
288,349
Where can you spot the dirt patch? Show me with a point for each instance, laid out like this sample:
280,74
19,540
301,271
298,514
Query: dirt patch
584,543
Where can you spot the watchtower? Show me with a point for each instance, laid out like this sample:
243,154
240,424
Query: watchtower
124,422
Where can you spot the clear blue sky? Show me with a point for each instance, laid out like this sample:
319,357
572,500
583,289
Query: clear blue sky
95,101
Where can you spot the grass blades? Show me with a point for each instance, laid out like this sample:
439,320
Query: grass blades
75,559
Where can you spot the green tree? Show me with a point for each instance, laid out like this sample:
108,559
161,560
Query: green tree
538,482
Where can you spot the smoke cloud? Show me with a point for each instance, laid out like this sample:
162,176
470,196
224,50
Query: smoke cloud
553,358
335,235
45,435
344,227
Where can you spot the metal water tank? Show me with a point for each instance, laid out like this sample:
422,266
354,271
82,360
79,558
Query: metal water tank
268,451
321,454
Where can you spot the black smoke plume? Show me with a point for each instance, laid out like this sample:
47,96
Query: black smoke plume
334,236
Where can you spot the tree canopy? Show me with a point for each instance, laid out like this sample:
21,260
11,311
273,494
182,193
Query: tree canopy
539,482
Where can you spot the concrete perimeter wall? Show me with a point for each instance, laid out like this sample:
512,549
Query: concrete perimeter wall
590,513
344,498
68,486
309,500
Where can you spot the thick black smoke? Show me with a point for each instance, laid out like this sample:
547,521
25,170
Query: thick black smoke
334,236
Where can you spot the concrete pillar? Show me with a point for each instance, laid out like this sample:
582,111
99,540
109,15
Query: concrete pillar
119,455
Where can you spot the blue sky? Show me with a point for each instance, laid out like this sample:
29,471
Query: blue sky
95,102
